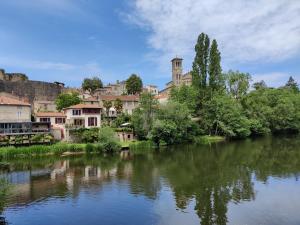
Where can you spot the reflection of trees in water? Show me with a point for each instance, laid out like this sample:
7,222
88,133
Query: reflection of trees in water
4,188
223,173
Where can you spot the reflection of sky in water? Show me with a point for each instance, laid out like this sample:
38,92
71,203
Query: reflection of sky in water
88,208
277,202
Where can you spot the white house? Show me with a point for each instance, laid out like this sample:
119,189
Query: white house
83,116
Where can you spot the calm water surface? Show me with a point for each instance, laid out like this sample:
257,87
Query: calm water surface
252,182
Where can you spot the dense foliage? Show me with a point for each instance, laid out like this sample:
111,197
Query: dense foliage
65,100
105,138
91,84
134,85
221,104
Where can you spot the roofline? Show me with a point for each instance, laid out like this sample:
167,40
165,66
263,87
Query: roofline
176,58
25,104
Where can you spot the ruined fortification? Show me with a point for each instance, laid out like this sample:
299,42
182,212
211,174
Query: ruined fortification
18,84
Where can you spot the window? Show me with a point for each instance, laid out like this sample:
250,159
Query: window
78,122
92,121
76,112
45,119
60,120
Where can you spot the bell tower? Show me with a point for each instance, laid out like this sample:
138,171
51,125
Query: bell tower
176,70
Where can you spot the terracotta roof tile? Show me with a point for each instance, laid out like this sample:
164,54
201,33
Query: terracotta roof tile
4,100
50,114
91,99
84,106
121,97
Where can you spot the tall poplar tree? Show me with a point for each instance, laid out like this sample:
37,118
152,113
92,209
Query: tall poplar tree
200,64
216,79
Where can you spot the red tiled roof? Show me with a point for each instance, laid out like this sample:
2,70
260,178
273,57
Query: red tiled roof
84,106
4,100
91,99
50,114
121,97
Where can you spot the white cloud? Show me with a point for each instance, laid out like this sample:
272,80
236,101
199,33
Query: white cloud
56,7
273,79
34,64
246,31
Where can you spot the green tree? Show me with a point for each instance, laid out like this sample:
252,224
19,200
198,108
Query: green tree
122,118
142,117
200,64
109,140
163,130
173,124
224,116
259,85
65,100
185,95
91,84
107,105
292,84
134,84
275,110
118,105
238,83
216,79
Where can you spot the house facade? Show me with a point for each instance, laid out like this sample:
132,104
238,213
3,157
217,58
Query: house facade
83,116
54,118
14,110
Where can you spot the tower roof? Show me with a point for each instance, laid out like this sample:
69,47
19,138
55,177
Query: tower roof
176,58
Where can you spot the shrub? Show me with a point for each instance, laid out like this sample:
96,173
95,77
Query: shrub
89,148
108,138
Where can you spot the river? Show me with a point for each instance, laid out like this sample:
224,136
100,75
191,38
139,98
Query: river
249,182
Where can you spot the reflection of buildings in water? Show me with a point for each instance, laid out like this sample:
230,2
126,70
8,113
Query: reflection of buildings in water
126,155
59,180
60,168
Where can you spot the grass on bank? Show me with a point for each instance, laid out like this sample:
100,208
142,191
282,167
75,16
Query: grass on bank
61,148
206,139
56,149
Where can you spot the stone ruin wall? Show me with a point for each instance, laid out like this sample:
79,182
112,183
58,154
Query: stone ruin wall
31,90
19,85
13,77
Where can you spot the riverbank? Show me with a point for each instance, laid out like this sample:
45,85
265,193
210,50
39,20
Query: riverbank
64,149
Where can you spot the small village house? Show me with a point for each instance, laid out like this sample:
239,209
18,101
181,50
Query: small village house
83,116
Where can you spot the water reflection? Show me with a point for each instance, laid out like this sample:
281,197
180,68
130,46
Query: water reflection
211,178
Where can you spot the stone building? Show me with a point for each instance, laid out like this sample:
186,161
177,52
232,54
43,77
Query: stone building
178,78
151,89
119,88
12,109
130,102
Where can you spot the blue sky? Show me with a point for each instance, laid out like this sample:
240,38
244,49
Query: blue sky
67,40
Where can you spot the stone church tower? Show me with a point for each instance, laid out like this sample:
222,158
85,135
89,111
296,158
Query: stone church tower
176,71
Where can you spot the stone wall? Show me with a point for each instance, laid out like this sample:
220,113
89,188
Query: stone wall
13,77
32,90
